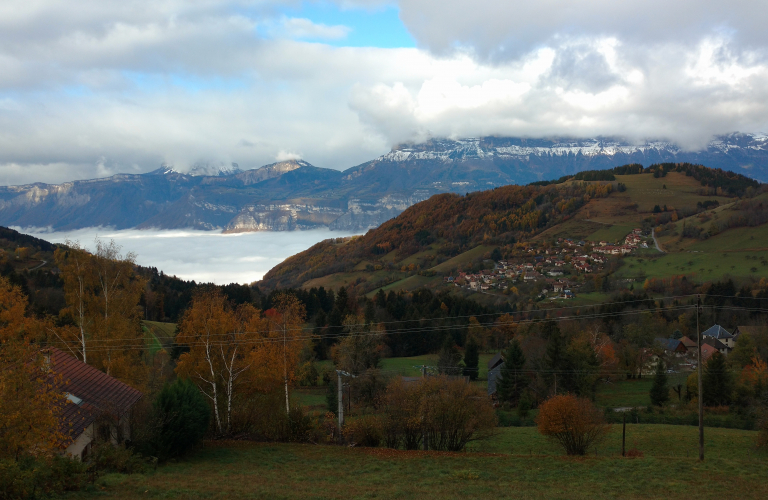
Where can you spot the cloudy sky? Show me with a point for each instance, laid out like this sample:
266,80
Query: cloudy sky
94,87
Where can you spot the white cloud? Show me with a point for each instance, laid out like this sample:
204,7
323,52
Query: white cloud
203,256
102,87
296,27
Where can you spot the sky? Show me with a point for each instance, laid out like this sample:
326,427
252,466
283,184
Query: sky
90,88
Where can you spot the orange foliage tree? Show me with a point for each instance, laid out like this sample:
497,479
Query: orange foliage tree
29,400
102,294
235,352
575,423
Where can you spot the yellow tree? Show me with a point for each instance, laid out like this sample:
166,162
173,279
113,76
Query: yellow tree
289,319
218,337
30,401
102,294
361,348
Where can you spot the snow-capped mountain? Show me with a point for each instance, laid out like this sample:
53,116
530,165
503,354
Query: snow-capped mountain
294,194
201,169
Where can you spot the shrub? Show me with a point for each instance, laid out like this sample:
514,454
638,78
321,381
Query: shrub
364,431
572,422
31,477
106,457
295,427
450,411
181,415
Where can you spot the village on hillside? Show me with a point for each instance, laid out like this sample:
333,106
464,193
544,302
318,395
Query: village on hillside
556,268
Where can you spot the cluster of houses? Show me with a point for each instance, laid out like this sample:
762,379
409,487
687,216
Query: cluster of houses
548,265
713,339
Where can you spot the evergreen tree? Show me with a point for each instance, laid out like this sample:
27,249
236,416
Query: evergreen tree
717,381
449,359
332,396
659,389
471,359
182,415
512,381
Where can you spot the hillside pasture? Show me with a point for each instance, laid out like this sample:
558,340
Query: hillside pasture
701,266
647,191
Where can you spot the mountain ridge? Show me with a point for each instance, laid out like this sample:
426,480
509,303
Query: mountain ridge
295,195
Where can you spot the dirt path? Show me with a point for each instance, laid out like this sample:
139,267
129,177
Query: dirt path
655,241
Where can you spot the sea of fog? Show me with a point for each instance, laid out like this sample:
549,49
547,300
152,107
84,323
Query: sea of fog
203,256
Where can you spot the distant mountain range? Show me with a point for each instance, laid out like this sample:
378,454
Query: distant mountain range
294,195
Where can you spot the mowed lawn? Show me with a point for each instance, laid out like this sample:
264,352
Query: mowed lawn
517,463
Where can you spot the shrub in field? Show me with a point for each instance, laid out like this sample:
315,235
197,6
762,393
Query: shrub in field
575,423
182,416
38,477
449,411
364,431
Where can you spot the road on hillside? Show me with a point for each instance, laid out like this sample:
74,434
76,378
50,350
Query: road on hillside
38,267
655,241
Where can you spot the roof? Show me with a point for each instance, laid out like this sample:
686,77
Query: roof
687,342
94,392
493,376
717,332
495,361
670,344
707,351
714,343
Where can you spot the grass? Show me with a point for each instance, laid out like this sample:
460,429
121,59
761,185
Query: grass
704,266
151,341
409,366
164,333
516,463
611,234
635,392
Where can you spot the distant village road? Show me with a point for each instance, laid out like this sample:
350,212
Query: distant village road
655,241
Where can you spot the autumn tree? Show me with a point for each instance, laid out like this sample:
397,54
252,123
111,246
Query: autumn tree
30,401
289,320
219,338
102,293
574,423
360,349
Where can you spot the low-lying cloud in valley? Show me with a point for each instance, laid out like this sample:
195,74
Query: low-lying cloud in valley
92,89
203,256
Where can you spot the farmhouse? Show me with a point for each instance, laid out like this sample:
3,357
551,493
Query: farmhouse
97,408
719,333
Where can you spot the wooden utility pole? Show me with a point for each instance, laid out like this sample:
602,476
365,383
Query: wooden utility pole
701,382
341,403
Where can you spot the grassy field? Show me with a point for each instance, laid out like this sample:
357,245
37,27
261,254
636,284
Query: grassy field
516,463
634,392
611,234
704,266
164,333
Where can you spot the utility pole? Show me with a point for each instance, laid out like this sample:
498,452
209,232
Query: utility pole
340,398
340,395
624,434
701,382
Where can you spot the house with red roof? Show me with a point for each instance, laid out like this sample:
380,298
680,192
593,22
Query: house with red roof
97,406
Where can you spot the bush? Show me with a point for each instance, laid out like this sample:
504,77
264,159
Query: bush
296,427
106,457
572,422
30,477
181,416
364,431
450,411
